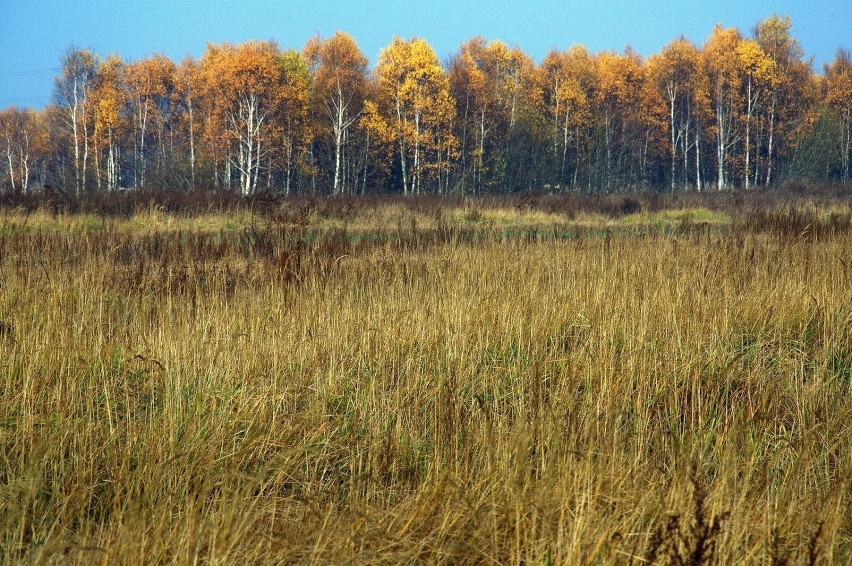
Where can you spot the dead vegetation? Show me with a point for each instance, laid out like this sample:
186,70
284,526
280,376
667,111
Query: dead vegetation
427,391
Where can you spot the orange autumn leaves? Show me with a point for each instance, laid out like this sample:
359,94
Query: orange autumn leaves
256,106
339,87
732,112
412,112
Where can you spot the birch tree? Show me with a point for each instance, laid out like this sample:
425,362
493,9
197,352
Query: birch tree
149,87
788,99
674,73
71,91
838,77
758,76
339,78
244,85
109,123
22,144
720,64
187,101
566,105
414,111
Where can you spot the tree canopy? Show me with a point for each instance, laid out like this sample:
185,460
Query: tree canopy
737,111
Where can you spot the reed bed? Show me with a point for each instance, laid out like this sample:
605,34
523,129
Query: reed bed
432,393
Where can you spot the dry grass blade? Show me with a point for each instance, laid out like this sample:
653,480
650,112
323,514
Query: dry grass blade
408,382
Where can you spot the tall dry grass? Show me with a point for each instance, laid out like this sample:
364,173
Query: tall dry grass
267,395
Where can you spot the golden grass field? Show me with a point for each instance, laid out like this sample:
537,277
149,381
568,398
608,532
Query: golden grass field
476,385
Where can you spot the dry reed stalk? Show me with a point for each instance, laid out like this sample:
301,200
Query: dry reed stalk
436,395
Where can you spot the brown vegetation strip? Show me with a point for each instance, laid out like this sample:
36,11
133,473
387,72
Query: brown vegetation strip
256,396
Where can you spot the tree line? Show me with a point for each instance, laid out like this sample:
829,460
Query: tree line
735,112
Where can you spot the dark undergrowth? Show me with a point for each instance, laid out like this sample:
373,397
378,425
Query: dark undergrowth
126,203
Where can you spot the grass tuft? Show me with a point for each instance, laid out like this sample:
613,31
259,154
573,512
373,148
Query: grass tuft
390,381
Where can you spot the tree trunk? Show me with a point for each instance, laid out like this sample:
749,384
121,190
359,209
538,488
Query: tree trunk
9,155
338,145
75,131
401,133
698,159
720,146
25,162
749,110
85,147
142,127
415,182
847,145
191,147
771,139
672,133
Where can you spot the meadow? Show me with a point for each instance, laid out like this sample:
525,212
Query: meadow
533,380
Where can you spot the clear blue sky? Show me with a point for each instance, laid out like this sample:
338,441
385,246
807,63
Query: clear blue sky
36,33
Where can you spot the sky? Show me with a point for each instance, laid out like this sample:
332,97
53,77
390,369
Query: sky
36,33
